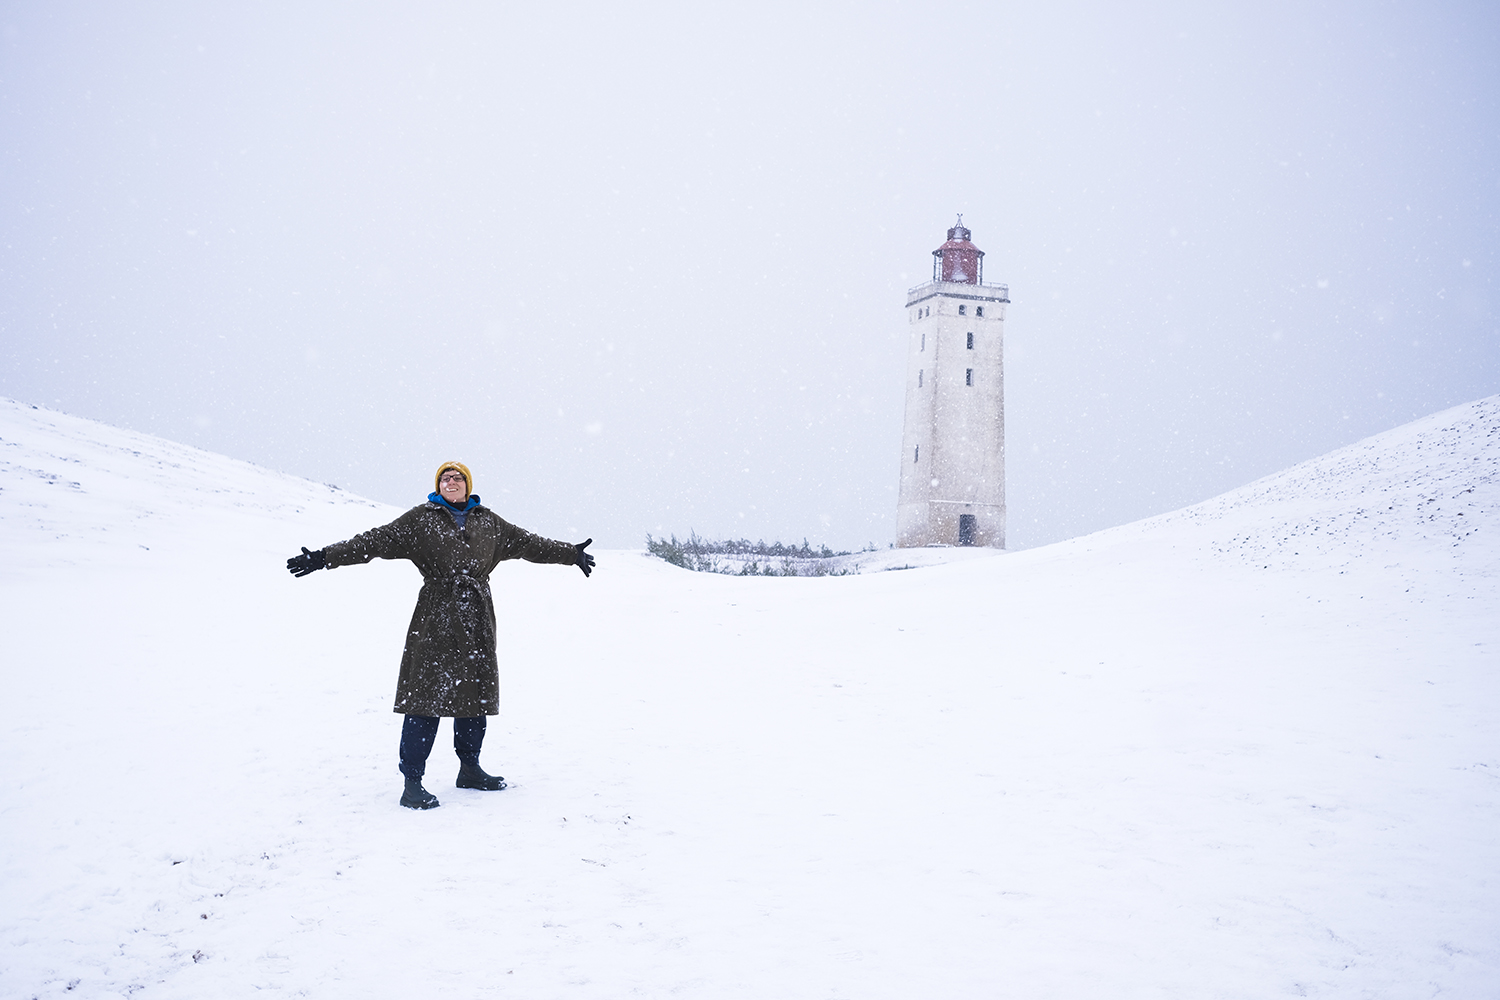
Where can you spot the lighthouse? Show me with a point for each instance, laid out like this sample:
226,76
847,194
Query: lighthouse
953,440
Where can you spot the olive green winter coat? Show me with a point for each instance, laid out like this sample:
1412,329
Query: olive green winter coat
448,667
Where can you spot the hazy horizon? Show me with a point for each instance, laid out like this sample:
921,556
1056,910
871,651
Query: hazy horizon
645,270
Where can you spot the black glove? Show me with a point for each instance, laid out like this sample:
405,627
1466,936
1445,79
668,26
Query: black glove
308,561
584,561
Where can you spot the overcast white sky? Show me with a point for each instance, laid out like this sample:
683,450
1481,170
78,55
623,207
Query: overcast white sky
645,269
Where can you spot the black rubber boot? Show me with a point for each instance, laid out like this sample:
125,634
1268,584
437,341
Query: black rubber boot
417,797
471,775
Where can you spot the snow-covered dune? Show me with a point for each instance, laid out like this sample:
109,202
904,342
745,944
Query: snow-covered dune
1427,492
1420,492
1246,749
76,492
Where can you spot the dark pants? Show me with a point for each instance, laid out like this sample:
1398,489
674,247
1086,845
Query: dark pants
419,732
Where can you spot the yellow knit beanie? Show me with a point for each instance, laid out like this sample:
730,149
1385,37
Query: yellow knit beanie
437,480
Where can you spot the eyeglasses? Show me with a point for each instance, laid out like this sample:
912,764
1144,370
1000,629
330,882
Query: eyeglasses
452,477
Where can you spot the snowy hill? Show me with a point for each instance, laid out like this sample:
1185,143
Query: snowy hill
77,492
1419,493
1245,749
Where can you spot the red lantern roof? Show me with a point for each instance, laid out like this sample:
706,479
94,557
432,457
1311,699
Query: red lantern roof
958,259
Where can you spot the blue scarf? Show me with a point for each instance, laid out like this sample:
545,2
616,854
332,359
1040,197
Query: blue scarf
459,513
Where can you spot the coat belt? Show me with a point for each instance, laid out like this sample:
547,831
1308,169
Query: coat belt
453,581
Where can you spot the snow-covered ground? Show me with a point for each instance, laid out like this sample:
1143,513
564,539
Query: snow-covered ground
1248,749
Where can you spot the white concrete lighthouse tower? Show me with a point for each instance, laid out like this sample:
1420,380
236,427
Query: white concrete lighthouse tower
953,442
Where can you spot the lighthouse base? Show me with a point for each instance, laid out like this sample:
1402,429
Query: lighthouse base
950,522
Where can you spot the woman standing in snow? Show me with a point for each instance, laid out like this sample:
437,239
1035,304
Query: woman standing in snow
448,669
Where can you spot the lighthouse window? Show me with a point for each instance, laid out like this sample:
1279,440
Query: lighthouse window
924,342
916,453
968,376
971,341
961,310
979,310
919,378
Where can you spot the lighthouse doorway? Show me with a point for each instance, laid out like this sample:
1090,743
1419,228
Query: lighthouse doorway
966,526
